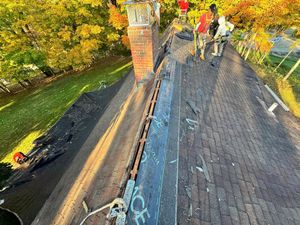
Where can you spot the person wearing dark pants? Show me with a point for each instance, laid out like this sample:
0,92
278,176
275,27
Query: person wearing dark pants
221,37
202,28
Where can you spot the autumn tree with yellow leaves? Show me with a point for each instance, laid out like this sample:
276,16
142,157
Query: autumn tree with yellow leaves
51,36
261,21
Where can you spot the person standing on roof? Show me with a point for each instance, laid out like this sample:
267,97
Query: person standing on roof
183,5
224,30
214,25
202,28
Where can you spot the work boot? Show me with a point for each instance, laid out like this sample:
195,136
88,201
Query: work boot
215,54
202,57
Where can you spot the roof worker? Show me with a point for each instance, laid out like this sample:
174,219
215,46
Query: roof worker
214,25
221,37
202,28
183,5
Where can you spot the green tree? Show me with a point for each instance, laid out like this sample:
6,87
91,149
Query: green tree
51,36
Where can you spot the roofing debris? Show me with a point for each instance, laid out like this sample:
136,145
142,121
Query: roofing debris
193,106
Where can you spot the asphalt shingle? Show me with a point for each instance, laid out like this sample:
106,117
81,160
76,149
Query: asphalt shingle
252,160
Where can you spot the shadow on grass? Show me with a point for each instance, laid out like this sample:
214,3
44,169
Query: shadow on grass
66,137
23,144
26,115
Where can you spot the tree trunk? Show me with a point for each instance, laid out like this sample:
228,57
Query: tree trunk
27,81
244,50
256,55
21,83
247,42
27,30
240,47
259,56
248,52
287,55
262,58
4,88
247,46
250,45
292,70
47,71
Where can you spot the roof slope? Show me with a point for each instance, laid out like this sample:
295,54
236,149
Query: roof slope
226,160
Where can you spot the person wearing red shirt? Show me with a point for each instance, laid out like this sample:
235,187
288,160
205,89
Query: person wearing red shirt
202,28
184,5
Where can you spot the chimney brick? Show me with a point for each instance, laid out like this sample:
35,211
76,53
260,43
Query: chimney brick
143,42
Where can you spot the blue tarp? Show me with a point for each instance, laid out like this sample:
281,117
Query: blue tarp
145,202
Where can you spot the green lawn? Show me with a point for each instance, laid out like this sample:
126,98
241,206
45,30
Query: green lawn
285,66
27,115
288,91
294,79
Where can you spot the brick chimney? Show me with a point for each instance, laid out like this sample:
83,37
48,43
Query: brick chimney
143,20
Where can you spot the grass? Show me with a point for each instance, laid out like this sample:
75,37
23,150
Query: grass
285,67
287,94
27,115
289,90
294,79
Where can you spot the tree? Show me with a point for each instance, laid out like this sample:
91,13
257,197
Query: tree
51,35
118,19
262,19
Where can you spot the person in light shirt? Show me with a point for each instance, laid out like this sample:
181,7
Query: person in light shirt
224,30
